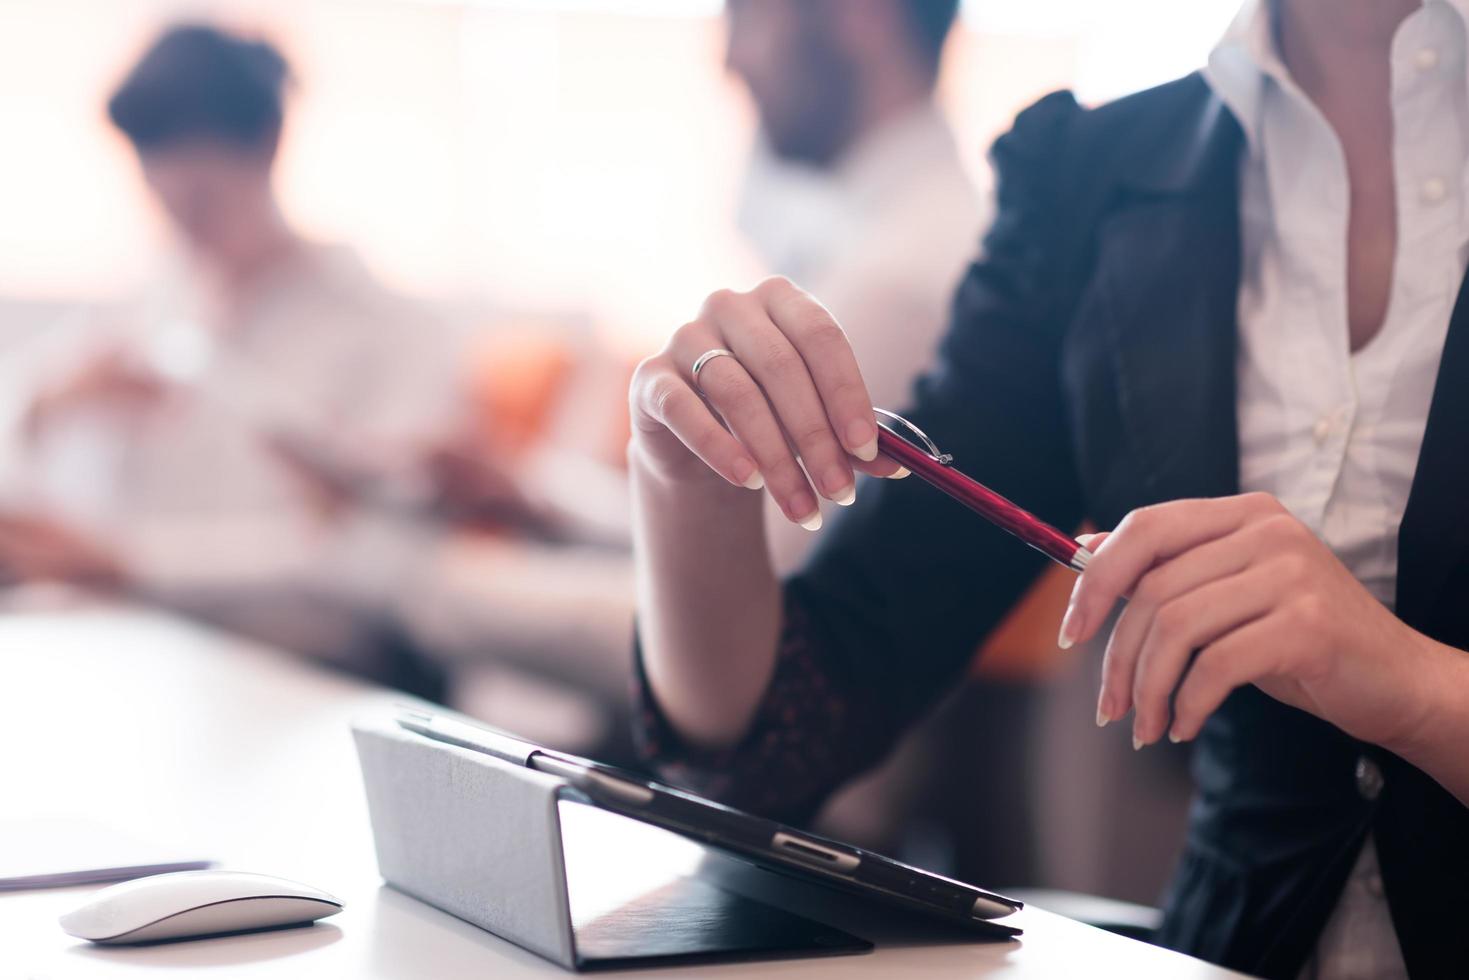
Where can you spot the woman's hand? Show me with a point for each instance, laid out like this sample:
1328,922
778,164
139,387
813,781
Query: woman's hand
1236,591
792,391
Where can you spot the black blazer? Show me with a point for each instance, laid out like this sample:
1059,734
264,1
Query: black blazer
1090,369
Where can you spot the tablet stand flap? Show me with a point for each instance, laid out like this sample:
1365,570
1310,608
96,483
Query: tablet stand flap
483,839
469,834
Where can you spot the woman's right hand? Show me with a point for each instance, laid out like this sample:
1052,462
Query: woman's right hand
791,391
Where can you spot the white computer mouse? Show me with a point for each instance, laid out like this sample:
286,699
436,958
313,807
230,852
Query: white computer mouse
190,904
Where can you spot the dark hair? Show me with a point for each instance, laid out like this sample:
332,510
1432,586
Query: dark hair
928,26
198,81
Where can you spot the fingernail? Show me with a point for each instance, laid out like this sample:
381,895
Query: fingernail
1102,718
1085,540
803,503
748,474
1137,743
1174,738
839,487
900,473
1067,637
812,523
862,437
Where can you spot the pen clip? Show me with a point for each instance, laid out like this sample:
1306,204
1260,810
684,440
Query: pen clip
928,445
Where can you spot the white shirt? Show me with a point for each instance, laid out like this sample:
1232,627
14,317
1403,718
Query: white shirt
1335,435
881,239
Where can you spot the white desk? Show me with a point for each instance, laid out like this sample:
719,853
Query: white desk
243,754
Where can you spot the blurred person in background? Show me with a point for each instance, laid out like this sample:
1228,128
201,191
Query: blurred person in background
855,188
250,445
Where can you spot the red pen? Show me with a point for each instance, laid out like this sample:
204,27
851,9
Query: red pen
933,467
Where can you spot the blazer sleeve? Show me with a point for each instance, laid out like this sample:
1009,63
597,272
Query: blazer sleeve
893,603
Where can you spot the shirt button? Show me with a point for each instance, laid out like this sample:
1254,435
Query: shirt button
1373,885
1426,59
1434,190
1369,779
1321,429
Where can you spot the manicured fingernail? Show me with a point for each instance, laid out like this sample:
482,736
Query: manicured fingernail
812,523
839,487
748,474
902,472
1174,737
1137,743
802,506
1102,718
1067,637
1085,540
862,437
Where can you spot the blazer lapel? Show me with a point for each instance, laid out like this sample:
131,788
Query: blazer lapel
1168,279
1435,529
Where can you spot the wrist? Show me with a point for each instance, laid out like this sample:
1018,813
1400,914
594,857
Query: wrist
1437,705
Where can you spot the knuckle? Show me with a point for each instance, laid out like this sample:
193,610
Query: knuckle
643,375
814,438
1261,502
684,334
1139,521
1203,676
743,401
780,359
1096,582
662,392
1151,590
640,387
1186,703
1147,690
1310,612
721,303
848,388
784,473
1281,527
1170,623
774,287
1293,568
823,332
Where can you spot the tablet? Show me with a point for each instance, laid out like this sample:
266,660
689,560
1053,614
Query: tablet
765,842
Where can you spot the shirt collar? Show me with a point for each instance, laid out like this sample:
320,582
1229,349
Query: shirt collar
1242,62
1247,60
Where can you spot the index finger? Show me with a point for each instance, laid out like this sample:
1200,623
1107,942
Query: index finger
823,345
1146,537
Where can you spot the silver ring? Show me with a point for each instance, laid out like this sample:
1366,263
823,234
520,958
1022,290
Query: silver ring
705,358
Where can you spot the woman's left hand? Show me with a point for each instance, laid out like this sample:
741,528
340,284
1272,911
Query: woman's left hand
1235,591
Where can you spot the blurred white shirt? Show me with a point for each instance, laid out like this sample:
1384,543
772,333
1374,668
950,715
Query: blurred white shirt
1335,434
191,494
881,239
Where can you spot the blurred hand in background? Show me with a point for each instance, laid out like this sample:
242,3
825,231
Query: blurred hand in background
37,549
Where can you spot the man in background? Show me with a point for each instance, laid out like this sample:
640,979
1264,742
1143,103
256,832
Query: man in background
856,189
248,445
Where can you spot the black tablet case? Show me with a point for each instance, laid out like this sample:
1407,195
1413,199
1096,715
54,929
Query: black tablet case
481,839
